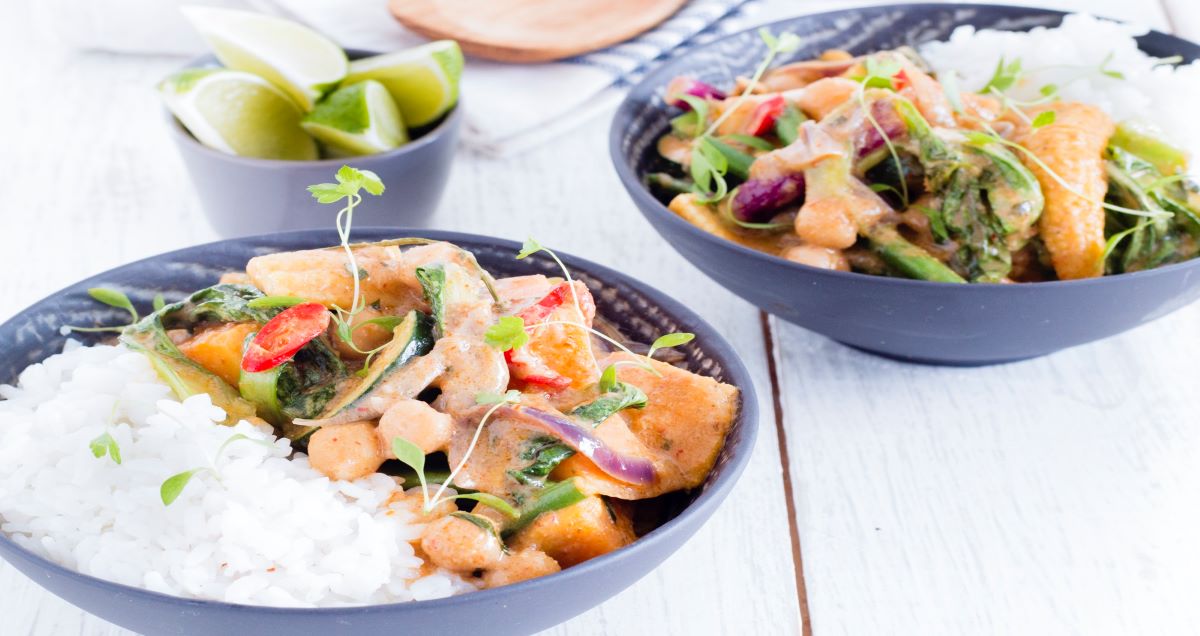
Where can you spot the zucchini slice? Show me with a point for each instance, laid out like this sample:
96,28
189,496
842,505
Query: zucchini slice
410,339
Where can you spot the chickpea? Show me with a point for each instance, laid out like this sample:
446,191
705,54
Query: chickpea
346,451
460,545
827,222
418,423
815,256
520,566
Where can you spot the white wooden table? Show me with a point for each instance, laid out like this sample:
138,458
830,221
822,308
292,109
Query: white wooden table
1055,496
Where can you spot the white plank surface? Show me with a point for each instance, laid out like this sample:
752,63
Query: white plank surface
101,185
1055,496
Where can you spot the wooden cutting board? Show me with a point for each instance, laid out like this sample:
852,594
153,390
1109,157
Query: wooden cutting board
528,31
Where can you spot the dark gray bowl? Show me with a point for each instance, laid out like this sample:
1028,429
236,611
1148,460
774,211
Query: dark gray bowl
524,608
910,320
243,195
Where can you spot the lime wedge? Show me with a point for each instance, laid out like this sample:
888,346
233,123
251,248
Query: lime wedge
238,113
422,80
360,119
297,59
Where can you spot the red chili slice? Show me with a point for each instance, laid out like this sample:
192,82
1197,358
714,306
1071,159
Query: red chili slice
541,310
763,118
530,369
284,335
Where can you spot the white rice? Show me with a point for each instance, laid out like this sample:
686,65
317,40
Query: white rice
269,531
1070,57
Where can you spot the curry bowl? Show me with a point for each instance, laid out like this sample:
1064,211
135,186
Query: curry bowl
911,320
521,608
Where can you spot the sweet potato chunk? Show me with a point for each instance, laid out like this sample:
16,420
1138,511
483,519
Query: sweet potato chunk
686,416
219,349
578,532
681,429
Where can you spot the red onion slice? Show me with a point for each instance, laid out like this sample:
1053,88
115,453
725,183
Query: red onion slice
629,469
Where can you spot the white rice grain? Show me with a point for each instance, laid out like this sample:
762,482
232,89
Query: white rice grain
255,528
1072,57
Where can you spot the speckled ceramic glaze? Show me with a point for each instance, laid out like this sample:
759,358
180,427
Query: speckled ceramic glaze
640,312
907,319
243,196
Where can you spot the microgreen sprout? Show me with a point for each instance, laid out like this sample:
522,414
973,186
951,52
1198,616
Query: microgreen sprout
350,183
112,298
511,332
411,455
104,444
159,302
708,165
173,486
880,74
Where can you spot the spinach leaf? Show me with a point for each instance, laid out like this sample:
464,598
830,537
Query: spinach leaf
622,396
544,453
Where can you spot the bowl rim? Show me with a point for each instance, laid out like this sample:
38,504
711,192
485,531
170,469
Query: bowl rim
701,508
656,212
449,121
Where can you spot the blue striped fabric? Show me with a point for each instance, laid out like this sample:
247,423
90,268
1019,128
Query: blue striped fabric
697,22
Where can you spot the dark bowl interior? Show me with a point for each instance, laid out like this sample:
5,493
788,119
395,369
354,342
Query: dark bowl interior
906,319
640,312
245,195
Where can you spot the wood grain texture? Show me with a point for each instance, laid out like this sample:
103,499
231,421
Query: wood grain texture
1054,496
529,31
101,185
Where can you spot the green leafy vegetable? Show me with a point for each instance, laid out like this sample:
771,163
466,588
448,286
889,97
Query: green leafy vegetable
433,284
544,453
274,302
159,302
491,501
622,396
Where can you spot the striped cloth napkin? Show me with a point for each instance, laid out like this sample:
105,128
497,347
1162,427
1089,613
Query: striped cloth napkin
510,107
507,108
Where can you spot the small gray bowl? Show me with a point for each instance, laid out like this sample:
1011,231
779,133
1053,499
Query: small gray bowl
244,195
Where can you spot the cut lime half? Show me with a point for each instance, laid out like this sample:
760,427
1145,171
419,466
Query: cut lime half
422,80
360,119
297,59
238,113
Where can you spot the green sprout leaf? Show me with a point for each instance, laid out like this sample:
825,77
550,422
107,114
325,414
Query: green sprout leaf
104,444
508,333
491,501
670,340
608,379
326,192
1048,90
159,302
1003,78
113,298
174,485
1044,118
529,248
412,456
880,72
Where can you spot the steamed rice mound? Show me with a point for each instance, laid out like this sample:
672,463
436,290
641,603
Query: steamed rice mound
1088,60
268,531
